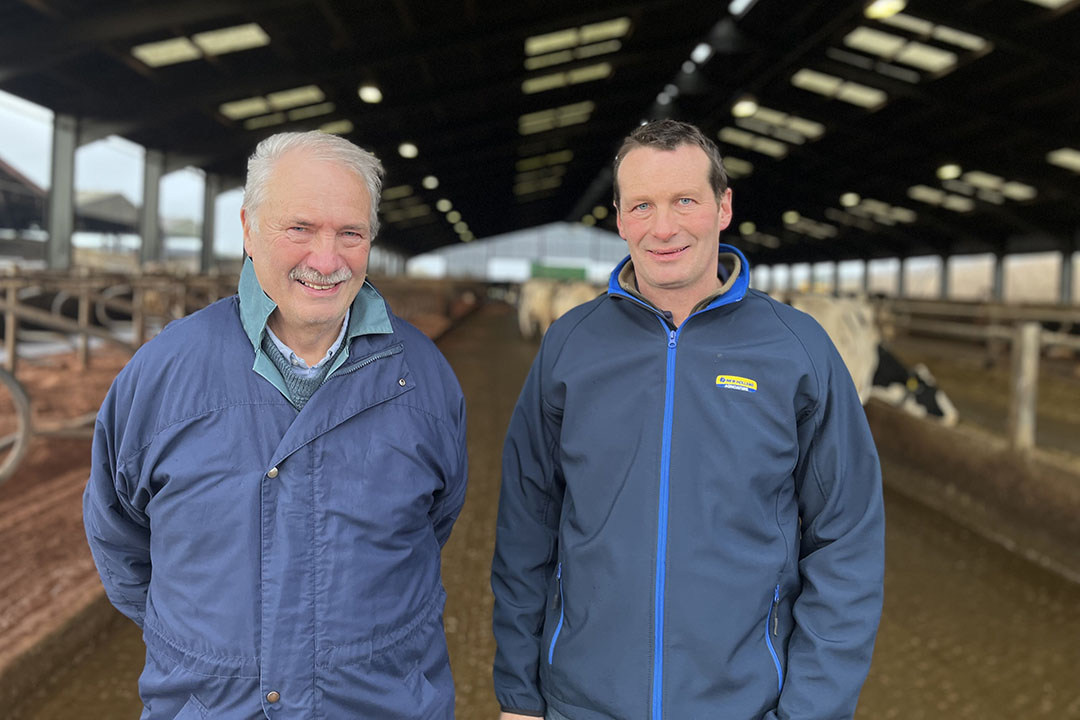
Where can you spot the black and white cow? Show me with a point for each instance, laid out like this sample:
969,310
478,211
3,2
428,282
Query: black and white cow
877,373
914,390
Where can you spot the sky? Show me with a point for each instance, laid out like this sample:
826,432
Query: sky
112,165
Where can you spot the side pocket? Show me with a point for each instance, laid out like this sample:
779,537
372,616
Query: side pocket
772,629
427,695
192,710
558,604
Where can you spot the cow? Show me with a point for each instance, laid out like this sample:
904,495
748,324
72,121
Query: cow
914,390
534,307
541,301
850,324
568,296
876,372
1068,353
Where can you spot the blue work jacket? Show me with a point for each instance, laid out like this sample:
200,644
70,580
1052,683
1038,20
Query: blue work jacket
690,522
281,563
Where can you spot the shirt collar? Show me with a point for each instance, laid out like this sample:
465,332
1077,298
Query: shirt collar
300,363
628,280
366,316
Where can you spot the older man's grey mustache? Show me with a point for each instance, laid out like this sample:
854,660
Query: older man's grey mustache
314,277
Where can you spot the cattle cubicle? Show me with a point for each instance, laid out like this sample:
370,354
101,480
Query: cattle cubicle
78,310
1001,485
1021,333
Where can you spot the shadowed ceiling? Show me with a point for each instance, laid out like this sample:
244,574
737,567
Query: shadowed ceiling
952,127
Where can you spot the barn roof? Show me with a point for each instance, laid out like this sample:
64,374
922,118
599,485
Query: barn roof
953,127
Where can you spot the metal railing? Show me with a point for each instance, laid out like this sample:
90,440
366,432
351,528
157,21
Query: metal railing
148,301
1021,327
155,299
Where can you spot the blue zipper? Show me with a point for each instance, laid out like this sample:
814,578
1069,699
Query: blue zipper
734,295
774,616
558,600
662,522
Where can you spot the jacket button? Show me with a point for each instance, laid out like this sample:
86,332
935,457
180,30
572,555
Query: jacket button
401,382
273,696
272,474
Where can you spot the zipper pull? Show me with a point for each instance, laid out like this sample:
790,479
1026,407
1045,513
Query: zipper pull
776,612
558,587
671,338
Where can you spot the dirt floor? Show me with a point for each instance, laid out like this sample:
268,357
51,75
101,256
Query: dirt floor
935,657
44,556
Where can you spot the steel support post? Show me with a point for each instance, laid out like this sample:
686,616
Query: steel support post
997,292
211,189
943,286
60,220
1025,380
152,249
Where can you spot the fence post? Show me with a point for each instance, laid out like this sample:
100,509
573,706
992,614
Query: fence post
11,323
995,346
138,312
1025,381
84,323
179,298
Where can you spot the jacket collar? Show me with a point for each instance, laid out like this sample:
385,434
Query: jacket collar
622,281
367,315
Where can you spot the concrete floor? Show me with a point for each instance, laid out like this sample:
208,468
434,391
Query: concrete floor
969,630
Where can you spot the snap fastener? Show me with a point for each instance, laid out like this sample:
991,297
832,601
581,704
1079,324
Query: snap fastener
273,696
401,382
272,473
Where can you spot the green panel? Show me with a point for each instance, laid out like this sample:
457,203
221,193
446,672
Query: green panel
557,272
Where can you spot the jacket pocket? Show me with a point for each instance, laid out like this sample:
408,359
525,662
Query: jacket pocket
193,710
558,605
772,631
427,695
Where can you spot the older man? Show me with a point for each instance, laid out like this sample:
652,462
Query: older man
274,476
691,521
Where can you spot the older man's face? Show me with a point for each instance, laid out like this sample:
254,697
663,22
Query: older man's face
310,250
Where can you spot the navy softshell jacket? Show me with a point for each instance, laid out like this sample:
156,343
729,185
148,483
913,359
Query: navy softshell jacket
690,522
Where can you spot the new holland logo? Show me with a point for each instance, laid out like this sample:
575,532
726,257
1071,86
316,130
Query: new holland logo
733,382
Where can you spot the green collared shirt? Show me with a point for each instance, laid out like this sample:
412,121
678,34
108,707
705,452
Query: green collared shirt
367,316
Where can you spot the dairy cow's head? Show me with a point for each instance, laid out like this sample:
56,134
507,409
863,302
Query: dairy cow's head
915,390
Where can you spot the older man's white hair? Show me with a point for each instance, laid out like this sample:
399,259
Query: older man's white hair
320,146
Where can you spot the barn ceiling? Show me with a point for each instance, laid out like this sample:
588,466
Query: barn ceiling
952,127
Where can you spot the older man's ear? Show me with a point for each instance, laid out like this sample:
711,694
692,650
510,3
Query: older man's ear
247,231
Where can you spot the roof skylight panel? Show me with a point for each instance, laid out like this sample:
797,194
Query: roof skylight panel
231,39
295,97
1066,157
1051,4
166,52
212,42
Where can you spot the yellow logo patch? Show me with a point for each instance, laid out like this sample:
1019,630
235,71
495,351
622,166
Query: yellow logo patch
734,382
